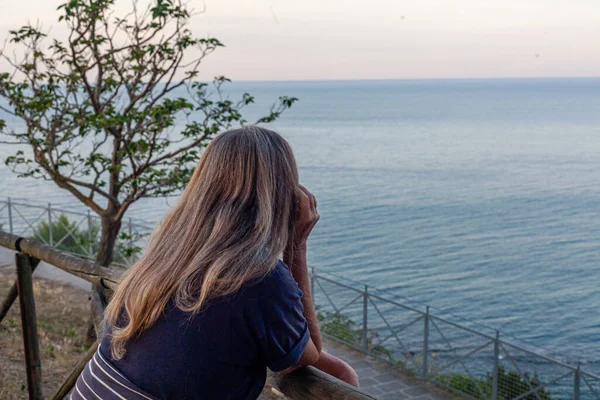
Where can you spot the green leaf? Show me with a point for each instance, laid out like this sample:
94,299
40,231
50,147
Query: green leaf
126,129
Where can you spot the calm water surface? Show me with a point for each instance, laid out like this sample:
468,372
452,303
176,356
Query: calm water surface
480,197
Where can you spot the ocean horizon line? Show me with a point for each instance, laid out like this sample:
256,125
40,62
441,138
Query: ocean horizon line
474,79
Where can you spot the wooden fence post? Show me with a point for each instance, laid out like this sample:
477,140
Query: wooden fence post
13,293
29,323
98,304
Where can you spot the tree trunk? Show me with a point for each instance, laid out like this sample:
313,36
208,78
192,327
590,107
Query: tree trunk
108,239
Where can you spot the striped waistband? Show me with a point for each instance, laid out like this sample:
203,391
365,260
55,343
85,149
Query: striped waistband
101,380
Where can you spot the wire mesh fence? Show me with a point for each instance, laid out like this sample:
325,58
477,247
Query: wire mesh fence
458,358
589,386
475,364
71,231
472,362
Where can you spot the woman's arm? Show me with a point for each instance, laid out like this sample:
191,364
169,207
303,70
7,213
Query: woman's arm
337,367
299,270
295,257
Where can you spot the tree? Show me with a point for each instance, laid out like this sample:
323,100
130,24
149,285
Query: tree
100,108
98,111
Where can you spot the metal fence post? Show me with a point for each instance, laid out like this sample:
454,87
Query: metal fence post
426,344
365,330
577,382
495,371
29,323
90,238
50,238
10,221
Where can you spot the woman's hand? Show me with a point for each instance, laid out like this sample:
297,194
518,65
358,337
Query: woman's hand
307,217
338,368
333,366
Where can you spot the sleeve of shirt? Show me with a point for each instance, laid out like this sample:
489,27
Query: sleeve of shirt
285,328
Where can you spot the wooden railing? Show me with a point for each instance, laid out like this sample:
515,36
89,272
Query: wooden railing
305,383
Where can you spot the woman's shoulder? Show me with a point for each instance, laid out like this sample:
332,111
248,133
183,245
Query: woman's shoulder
278,282
280,272
271,300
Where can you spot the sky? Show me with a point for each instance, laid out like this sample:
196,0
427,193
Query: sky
380,39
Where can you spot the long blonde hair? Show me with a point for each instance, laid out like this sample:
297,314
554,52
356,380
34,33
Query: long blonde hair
229,226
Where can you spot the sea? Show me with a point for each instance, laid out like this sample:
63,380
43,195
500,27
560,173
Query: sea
477,197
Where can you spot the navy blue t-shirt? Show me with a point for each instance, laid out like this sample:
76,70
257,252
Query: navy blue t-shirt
221,352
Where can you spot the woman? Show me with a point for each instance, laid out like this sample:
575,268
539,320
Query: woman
209,306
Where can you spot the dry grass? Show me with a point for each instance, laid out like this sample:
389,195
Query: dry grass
62,313
62,316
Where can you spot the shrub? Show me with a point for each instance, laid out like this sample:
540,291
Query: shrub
69,237
66,235
340,327
510,385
